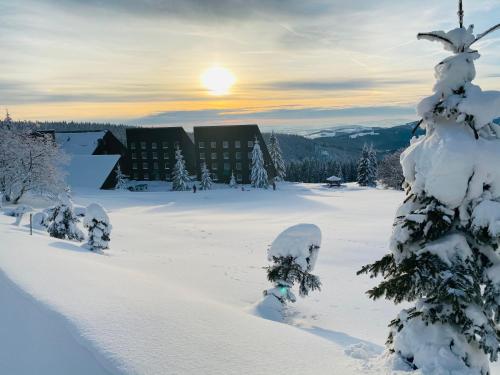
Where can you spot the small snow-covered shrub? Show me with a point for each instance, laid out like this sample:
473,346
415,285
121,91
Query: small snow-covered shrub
293,255
97,222
20,211
232,181
40,220
63,220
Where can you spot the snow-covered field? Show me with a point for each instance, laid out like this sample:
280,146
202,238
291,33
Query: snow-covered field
176,292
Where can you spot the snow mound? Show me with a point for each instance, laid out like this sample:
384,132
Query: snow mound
362,350
297,242
95,212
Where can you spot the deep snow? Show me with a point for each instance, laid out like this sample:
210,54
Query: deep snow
175,292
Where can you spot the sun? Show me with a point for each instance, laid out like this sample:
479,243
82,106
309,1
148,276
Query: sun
218,80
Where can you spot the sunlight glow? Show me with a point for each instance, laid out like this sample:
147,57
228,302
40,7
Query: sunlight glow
218,80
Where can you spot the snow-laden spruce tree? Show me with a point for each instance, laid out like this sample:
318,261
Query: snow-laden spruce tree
180,175
366,172
293,255
277,157
372,155
97,223
121,179
232,181
62,220
206,181
445,256
338,171
259,176
390,173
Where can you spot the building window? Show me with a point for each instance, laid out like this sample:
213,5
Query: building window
238,166
214,166
166,156
134,165
132,145
225,144
238,155
227,167
237,144
201,144
143,145
164,145
226,155
250,144
156,176
144,155
146,176
249,156
239,177
154,146
213,144
167,166
134,155
145,166
155,155
202,156
214,156
155,165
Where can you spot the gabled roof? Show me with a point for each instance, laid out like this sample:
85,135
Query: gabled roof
79,143
90,171
333,179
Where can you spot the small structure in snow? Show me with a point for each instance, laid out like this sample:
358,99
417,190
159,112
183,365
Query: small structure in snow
334,181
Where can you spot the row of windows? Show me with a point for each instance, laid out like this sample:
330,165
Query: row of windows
225,155
156,165
225,144
154,145
156,176
154,154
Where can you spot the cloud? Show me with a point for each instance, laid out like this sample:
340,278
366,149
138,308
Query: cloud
334,85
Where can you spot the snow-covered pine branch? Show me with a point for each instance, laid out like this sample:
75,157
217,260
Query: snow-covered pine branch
97,223
206,181
277,157
259,178
444,255
180,175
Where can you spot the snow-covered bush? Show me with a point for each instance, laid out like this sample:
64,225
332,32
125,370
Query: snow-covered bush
232,181
367,167
97,222
29,161
444,248
259,176
121,179
206,180
293,255
19,212
277,157
40,220
63,221
180,175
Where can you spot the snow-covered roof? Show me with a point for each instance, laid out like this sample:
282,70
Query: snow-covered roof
79,143
333,179
296,241
90,171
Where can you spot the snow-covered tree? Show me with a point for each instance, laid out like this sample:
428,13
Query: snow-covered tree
366,172
29,161
232,181
180,175
444,255
277,157
338,171
97,223
62,220
293,255
259,176
121,179
206,181
372,156
390,173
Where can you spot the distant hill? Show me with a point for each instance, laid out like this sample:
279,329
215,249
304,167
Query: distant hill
344,143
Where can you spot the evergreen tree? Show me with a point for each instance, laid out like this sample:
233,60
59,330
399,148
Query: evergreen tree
206,180
444,249
259,176
121,179
62,220
390,173
97,222
339,172
232,181
180,175
366,176
372,156
277,157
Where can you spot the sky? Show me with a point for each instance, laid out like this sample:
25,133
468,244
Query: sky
297,63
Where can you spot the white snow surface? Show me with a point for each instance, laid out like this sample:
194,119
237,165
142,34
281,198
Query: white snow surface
90,171
79,143
296,242
174,295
